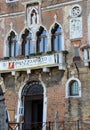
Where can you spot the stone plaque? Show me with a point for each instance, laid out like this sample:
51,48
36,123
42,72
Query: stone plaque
76,28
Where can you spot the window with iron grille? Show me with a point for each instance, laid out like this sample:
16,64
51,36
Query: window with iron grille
73,88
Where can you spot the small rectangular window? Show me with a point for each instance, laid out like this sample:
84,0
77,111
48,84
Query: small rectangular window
10,1
76,51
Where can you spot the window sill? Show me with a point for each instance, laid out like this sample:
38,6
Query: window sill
73,97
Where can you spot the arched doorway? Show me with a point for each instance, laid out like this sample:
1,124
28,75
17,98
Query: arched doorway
32,98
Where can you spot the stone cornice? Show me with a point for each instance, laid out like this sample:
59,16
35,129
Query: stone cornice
48,8
12,14
52,7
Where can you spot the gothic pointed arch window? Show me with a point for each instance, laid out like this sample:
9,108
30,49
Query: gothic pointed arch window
27,45
13,44
41,45
56,38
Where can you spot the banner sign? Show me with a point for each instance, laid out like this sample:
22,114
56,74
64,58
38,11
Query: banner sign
27,63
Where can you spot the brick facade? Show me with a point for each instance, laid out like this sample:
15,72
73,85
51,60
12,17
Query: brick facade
13,16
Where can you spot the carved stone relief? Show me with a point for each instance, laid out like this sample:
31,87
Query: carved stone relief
75,28
75,22
33,15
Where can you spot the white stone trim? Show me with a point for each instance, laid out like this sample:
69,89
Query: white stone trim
48,8
67,87
44,29
33,30
44,106
20,39
8,115
86,57
52,7
12,14
49,35
20,105
9,1
29,16
31,2
6,48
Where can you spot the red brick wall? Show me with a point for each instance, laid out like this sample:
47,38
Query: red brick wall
56,93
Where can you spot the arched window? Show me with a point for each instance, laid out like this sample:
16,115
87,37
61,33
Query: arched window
41,45
56,38
27,46
13,45
73,88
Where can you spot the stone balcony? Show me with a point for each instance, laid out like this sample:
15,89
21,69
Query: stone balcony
44,62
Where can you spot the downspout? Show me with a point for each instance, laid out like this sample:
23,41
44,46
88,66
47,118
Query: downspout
77,69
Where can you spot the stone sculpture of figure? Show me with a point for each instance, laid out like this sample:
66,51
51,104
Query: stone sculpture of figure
34,18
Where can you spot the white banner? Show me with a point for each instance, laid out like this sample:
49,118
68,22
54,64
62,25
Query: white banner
27,63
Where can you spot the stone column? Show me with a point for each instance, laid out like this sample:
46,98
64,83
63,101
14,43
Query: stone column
85,57
34,40
49,42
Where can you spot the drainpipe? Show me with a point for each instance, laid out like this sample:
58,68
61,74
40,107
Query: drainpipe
77,69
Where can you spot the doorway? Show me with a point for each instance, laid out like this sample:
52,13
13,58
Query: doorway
33,106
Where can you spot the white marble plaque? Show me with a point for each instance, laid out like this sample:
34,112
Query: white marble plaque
76,28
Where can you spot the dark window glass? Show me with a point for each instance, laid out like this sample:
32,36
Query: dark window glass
56,38
74,88
13,45
41,45
27,45
76,51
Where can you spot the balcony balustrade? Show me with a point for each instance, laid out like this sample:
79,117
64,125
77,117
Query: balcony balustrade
43,61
